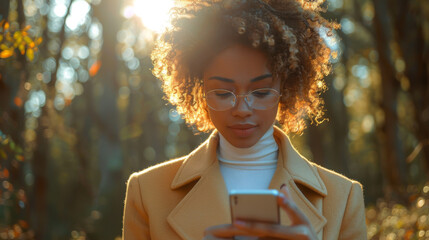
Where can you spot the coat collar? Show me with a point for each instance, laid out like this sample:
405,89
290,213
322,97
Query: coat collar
298,167
207,203
197,162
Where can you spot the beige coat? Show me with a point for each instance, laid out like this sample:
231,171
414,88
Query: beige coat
179,199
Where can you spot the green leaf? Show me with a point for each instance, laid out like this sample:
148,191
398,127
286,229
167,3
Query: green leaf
3,154
12,145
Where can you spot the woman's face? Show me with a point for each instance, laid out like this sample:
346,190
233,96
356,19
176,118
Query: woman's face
241,69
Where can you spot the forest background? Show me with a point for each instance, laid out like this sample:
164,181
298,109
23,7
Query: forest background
80,111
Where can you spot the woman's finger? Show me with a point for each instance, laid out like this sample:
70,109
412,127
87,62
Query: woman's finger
269,231
285,201
223,231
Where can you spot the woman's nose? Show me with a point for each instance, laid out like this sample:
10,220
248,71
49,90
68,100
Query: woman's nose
241,108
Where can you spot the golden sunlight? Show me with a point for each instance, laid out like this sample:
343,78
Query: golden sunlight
154,14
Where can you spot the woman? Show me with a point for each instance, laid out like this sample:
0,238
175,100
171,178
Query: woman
235,68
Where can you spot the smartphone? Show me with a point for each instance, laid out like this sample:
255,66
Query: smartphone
255,205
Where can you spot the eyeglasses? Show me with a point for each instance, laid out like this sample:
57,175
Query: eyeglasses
260,99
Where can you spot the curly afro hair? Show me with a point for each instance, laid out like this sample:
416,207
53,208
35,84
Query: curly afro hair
287,31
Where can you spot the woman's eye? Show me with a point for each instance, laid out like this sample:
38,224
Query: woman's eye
223,94
261,93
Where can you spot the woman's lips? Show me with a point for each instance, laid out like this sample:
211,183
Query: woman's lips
243,130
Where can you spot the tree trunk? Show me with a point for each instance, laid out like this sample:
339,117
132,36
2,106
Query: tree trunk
40,191
111,190
388,131
407,20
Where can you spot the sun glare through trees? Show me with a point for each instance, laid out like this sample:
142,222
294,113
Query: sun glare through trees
153,14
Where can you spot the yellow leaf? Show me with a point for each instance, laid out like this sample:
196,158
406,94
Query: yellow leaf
6,53
39,40
26,28
1,38
17,42
27,39
30,54
6,26
22,48
31,45
17,35
4,47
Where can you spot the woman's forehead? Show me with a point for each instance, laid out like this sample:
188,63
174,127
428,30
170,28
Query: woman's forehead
238,59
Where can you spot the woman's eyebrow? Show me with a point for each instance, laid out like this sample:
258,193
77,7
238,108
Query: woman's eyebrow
252,80
222,79
261,77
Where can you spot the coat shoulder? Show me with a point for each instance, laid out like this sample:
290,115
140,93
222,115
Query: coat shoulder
334,179
161,171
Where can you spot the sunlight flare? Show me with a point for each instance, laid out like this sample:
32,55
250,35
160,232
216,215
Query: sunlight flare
153,14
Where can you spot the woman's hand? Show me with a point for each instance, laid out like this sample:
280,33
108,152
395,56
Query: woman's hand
299,229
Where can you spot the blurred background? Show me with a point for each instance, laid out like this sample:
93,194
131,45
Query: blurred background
80,111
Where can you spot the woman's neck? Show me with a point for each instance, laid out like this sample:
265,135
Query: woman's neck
264,150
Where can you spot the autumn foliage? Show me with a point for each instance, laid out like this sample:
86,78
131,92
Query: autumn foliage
12,41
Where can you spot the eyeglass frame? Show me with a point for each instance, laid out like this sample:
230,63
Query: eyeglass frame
242,95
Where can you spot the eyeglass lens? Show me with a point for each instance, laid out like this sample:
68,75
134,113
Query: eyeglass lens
261,99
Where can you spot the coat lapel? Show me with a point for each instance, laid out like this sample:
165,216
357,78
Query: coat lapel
292,168
207,203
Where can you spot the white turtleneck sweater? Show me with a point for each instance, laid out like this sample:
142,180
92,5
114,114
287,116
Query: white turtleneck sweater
248,168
